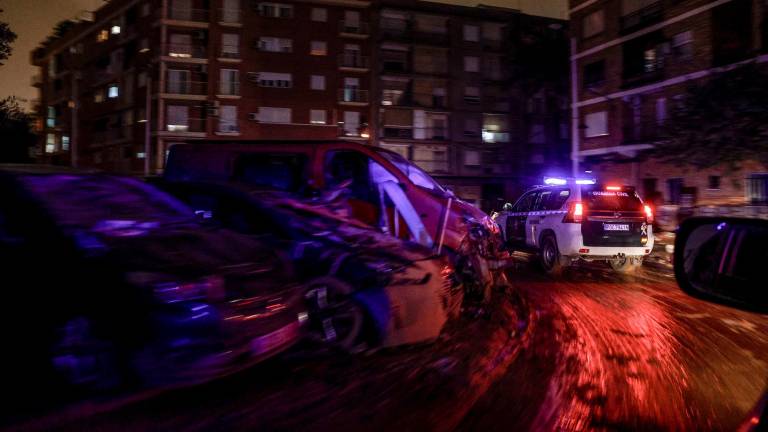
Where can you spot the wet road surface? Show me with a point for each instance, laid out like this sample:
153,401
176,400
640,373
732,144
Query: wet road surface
590,351
611,352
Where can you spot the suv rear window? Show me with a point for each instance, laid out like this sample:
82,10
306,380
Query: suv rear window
598,199
281,171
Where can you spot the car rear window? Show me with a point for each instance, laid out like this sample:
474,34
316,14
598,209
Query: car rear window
598,199
281,171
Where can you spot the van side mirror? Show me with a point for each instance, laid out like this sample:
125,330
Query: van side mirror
507,207
722,260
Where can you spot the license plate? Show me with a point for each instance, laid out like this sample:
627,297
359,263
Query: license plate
615,227
274,340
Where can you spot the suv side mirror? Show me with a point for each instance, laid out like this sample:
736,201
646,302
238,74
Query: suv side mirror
722,260
507,207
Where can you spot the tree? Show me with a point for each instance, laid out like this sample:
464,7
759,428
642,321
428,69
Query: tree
7,37
721,121
16,133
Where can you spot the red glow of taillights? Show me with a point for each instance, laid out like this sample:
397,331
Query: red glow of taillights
575,213
648,214
613,188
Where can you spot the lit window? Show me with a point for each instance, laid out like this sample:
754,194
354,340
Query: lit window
113,92
115,30
228,119
141,155
65,142
98,97
317,116
273,44
318,48
274,115
50,143
178,118
278,80
596,123
102,36
317,82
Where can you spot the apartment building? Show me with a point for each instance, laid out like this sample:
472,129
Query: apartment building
446,96
119,89
632,63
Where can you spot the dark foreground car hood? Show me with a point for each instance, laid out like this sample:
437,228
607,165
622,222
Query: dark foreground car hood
187,252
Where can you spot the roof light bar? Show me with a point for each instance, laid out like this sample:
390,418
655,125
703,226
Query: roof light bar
555,181
586,181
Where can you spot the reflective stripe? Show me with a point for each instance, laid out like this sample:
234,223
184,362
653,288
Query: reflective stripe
538,213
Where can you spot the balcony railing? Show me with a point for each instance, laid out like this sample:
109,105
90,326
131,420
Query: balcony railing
354,28
352,95
229,52
642,78
495,136
230,16
229,88
186,51
188,125
353,61
184,14
644,17
186,87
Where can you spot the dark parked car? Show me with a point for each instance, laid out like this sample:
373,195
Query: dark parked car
365,287
110,283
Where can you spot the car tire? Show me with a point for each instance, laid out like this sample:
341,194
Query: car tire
549,256
625,265
336,319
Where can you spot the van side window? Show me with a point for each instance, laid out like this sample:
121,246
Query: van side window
285,172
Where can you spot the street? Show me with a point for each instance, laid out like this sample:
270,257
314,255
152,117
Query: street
602,351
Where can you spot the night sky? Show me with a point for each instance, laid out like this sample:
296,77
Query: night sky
33,21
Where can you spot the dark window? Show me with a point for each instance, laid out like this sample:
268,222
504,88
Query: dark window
594,73
643,59
714,182
526,203
599,199
757,189
732,23
284,172
675,189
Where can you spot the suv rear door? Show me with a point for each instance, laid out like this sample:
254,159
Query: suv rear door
612,217
517,220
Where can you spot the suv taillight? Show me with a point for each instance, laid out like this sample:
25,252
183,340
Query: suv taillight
648,214
575,213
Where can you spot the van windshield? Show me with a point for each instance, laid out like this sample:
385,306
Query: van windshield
414,173
598,199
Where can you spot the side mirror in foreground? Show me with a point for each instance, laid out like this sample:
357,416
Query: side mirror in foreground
724,260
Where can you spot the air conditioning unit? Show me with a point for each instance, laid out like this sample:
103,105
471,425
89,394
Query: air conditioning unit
253,76
253,116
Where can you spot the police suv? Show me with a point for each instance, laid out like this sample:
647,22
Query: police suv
567,219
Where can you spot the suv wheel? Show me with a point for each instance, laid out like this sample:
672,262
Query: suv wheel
625,264
336,319
549,256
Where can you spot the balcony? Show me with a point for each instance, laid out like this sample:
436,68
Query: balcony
638,79
231,17
229,52
189,15
354,29
188,127
650,14
353,96
189,90
229,88
186,52
354,62
492,136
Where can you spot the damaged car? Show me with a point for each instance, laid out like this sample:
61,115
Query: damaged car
111,284
382,189
366,288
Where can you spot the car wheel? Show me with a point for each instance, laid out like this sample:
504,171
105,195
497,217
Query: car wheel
83,359
336,318
625,264
549,256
